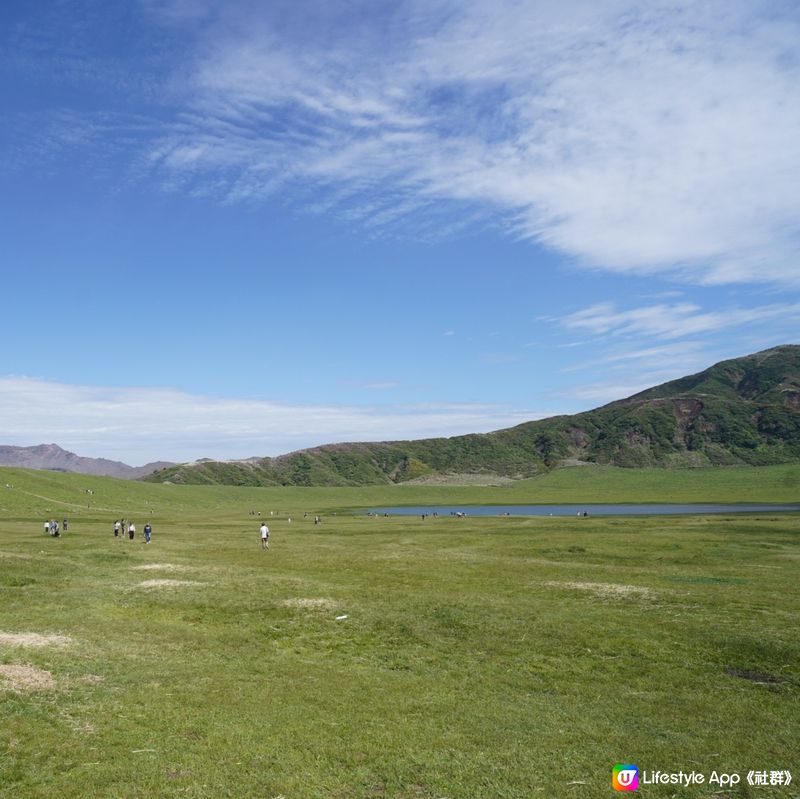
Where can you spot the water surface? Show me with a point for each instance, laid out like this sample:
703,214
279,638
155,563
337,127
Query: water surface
580,510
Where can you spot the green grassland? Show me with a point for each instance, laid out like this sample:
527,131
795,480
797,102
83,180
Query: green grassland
480,658
57,494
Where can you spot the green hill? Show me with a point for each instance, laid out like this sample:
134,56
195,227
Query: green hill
742,411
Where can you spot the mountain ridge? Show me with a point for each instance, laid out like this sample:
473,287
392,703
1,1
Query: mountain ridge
52,457
739,411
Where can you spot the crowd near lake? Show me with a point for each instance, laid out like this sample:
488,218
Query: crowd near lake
582,510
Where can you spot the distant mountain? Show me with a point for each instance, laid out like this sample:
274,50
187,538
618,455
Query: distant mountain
52,457
742,411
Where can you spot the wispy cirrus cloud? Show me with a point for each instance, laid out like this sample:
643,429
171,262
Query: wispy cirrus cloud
681,355
385,385
668,322
604,391
648,345
136,425
635,138
638,138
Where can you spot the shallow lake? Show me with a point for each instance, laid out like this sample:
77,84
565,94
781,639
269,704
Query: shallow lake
580,510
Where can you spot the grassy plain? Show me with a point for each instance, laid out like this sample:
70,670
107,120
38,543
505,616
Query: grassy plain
56,494
481,658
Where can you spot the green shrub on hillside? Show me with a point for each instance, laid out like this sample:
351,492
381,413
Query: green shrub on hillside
735,412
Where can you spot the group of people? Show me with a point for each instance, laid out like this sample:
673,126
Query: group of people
51,527
123,527
264,529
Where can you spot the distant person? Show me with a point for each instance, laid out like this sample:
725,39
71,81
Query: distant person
54,528
117,528
131,531
148,531
47,528
264,536
66,525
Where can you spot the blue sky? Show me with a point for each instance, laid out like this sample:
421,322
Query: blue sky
240,228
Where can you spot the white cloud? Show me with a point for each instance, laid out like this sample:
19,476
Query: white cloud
683,356
604,392
647,374
649,345
601,393
633,137
639,138
137,425
674,321
381,386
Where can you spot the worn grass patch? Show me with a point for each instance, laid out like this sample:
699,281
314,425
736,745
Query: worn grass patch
33,639
164,567
25,678
167,583
607,590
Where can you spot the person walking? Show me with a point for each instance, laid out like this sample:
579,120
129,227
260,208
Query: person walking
264,536
131,530
117,528
148,530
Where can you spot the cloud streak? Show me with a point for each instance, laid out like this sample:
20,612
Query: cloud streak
669,322
136,425
633,138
